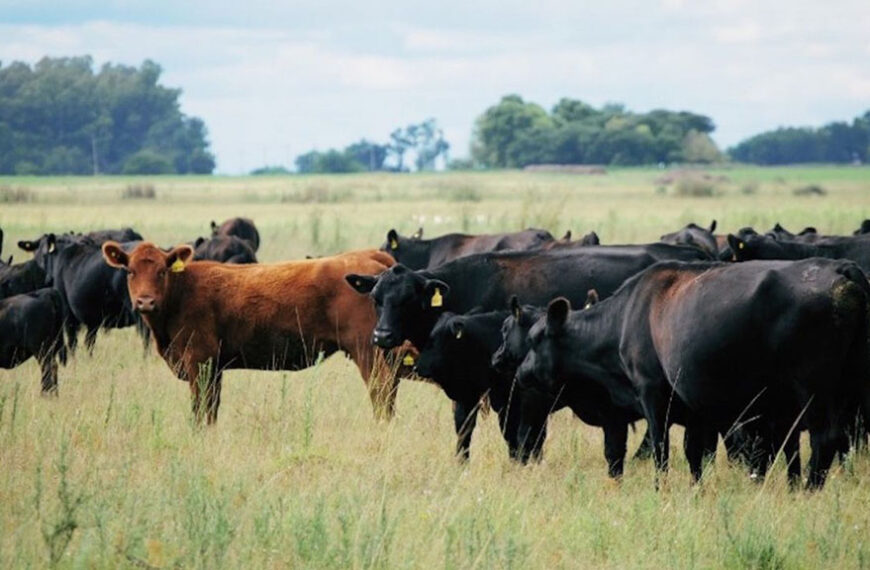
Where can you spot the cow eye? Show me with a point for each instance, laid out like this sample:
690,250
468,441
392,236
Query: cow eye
131,273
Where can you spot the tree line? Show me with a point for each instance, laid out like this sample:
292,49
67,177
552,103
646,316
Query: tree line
424,142
60,117
836,142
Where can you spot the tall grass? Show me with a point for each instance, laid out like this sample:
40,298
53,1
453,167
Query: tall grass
298,474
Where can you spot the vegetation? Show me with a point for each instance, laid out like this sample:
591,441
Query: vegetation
59,117
515,133
837,142
298,474
425,141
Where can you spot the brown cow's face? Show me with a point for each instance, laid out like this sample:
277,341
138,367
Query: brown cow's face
149,271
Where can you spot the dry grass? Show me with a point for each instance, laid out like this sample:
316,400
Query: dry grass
297,474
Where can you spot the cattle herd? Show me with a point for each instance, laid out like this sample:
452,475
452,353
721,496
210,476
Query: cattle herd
750,337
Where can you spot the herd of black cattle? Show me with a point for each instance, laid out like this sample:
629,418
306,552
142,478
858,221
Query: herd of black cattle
672,332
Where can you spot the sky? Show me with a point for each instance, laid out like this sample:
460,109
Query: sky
273,80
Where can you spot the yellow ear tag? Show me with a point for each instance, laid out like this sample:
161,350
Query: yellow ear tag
51,248
437,299
177,266
587,305
408,360
394,244
741,245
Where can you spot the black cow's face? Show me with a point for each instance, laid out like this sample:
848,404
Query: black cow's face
445,349
515,337
404,301
542,367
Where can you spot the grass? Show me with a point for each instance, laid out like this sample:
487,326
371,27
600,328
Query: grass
297,474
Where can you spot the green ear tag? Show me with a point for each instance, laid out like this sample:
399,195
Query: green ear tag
408,360
177,266
437,299
394,244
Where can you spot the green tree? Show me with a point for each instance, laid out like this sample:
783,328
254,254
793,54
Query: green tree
499,133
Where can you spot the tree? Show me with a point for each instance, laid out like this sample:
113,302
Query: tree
59,117
499,130
370,155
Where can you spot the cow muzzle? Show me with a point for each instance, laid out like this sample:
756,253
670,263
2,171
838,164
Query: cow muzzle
145,304
384,338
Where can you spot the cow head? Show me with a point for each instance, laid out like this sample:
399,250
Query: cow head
150,271
446,349
45,252
514,334
694,235
542,366
407,303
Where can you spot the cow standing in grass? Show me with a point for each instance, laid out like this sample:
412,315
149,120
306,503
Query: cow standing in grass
208,317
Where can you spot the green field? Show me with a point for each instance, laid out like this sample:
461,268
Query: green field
298,474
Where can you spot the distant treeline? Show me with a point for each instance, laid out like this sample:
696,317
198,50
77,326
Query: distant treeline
515,133
837,142
59,117
424,140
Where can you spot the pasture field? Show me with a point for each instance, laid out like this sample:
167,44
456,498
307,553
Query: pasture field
298,474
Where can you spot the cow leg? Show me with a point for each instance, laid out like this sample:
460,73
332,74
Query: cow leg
644,450
615,438
699,444
205,391
91,339
48,364
380,375
71,327
464,420
791,447
213,398
824,444
532,427
655,408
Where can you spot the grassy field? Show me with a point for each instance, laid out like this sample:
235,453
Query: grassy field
297,474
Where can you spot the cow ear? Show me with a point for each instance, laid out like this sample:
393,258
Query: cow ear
419,233
114,255
557,314
457,327
808,230
712,226
591,239
393,239
178,257
591,298
738,247
362,284
214,227
778,227
434,292
10,261
567,236
199,241
27,245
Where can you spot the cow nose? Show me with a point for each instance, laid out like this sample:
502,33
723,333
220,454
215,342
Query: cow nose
383,338
145,304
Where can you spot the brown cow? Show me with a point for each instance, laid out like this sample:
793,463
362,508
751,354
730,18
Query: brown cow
208,317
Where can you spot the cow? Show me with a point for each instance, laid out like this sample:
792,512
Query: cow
855,248
94,293
864,228
776,345
31,325
97,236
457,357
418,253
224,249
409,302
695,236
207,317
242,228
20,278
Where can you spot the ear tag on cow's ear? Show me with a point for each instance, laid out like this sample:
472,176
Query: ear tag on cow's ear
51,247
408,360
587,305
458,334
741,245
437,299
177,266
394,244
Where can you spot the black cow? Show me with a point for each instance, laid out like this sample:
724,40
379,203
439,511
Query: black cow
31,325
778,345
695,236
94,293
224,249
409,302
242,228
20,278
855,248
457,357
418,253
97,236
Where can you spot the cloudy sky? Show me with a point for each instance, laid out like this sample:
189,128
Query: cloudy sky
275,79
